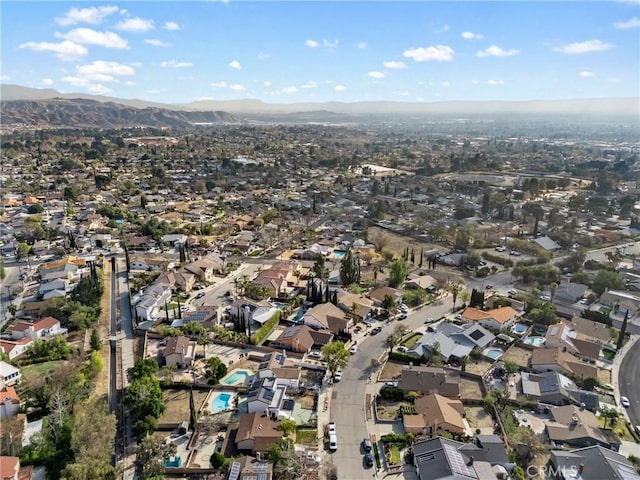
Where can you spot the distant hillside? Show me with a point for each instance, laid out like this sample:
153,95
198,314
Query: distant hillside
592,107
79,112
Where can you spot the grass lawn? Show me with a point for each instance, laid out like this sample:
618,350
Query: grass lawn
394,451
608,354
411,340
619,429
306,436
39,369
508,420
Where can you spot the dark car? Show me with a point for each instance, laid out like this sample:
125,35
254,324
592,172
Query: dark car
368,460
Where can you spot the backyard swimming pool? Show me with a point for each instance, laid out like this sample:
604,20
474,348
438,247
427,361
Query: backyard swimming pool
238,376
221,402
493,353
338,253
535,341
519,328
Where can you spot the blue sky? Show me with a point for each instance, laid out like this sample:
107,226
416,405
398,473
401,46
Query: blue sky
284,52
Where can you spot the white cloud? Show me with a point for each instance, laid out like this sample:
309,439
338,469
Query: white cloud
267,83
135,25
584,47
219,84
99,89
328,44
263,56
446,84
615,79
312,43
156,43
587,74
362,45
155,91
104,71
136,64
92,15
237,87
4,78
310,84
438,53
340,88
289,90
46,81
76,81
376,74
171,26
475,82
176,64
396,65
324,44
445,27
235,64
65,50
129,83
633,22
496,51
472,36
87,36
495,82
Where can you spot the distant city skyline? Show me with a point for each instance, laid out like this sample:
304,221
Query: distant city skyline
286,52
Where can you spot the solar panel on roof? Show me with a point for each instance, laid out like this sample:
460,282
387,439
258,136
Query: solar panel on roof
457,462
234,472
476,334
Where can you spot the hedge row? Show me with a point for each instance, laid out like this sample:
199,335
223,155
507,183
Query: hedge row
405,358
263,332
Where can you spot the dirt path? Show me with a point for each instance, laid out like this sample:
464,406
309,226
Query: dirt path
101,385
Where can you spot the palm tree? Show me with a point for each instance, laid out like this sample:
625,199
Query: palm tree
455,287
553,288
391,341
463,363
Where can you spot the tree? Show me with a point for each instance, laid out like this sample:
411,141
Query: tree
146,367
193,413
397,272
144,397
454,287
350,269
287,426
95,341
610,415
70,193
623,332
606,279
463,363
552,288
218,460
336,356
392,341
151,454
22,251
215,369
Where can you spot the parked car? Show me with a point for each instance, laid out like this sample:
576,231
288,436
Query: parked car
404,308
545,298
367,445
376,330
429,320
403,349
184,308
337,376
488,286
200,295
368,460
624,401
353,349
512,291
333,443
315,354
391,384
403,316
331,428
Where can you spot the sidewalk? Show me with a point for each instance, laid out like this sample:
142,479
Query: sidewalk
615,369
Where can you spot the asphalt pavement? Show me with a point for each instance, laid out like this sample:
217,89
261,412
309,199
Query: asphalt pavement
628,379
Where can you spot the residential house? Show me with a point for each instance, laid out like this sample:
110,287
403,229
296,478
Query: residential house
206,268
15,348
430,380
575,427
9,402
435,413
278,278
55,288
174,240
591,463
455,341
621,301
440,458
9,375
589,330
71,267
204,315
268,397
250,468
556,389
44,328
179,351
321,337
150,264
563,336
137,242
296,339
326,316
570,292
256,432
358,306
276,365
547,243
496,319
150,301
177,280
560,360
424,282
377,295
9,468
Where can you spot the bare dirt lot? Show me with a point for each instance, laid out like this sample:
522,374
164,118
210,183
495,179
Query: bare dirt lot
391,371
388,409
478,418
177,404
478,367
470,389
518,355
604,376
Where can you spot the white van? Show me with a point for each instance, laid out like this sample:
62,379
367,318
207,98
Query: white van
333,442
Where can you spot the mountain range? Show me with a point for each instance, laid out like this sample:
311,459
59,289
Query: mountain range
48,106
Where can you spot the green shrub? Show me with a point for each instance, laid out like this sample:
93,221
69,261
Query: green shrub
392,393
263,332
405,357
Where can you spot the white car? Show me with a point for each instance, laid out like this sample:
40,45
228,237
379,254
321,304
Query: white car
512,291
331,428
315,354
402,316
353,349
545,298
184,308
338,376
624,401
403,349
404,308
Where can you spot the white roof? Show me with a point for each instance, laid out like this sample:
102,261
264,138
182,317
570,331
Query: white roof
7,369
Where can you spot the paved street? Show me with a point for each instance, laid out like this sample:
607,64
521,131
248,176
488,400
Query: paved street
628,381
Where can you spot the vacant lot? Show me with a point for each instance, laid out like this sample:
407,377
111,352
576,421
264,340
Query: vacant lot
388,409
478,367
470,389
604,376
518,355
177,404
391,371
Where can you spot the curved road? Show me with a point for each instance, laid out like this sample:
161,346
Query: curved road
628,383
348,397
